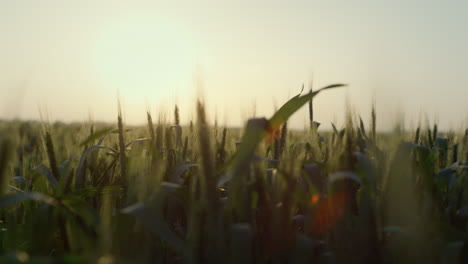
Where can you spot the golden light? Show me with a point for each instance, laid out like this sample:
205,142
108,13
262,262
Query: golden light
144,55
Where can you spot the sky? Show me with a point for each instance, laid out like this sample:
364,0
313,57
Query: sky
72,60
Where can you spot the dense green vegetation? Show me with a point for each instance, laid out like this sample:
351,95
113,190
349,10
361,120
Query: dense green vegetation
93,193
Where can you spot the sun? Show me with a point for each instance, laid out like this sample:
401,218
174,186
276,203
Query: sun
147,56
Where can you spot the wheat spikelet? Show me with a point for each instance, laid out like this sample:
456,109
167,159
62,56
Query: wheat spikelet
222,146
417,135
429,138
122,148
159,135
184,151
150,126
51,156
176,115
373,123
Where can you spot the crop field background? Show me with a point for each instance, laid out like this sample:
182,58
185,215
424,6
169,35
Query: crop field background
202,193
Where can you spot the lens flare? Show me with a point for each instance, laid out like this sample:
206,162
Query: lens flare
329,211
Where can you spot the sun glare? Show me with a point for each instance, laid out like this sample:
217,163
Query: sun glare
144,57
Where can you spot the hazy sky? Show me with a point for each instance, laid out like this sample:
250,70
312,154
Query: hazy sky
72,58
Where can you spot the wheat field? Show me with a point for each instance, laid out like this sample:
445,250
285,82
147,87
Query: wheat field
200,193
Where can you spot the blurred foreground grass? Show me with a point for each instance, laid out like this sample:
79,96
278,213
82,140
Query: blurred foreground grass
96,193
